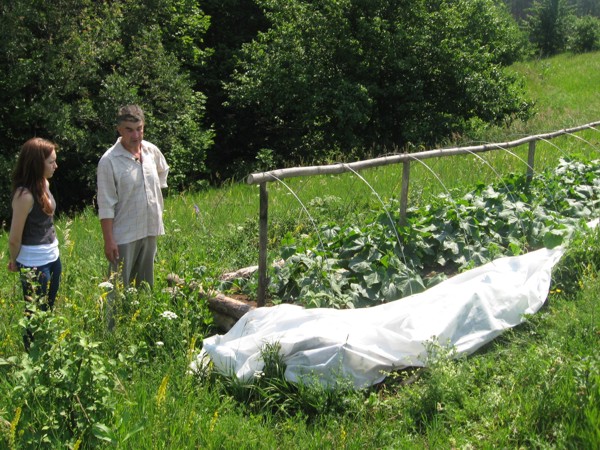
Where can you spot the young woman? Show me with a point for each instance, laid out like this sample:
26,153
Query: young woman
33,245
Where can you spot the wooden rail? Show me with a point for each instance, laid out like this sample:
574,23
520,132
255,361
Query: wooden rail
262,178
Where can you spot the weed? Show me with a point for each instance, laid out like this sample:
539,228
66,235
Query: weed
63,387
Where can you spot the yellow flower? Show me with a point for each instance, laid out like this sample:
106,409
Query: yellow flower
213,422
343,436
162,391
63,335
13,428
135,315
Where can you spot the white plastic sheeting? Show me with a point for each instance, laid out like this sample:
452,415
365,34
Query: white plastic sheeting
466,311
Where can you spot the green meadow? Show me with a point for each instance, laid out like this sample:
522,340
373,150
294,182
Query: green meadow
537,386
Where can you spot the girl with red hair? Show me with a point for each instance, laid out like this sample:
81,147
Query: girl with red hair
33,246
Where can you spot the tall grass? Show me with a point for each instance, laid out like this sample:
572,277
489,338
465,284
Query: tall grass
537,386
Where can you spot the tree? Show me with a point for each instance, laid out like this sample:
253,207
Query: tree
586,35
519,8
66,66
588,7
548,25
332,79
233,22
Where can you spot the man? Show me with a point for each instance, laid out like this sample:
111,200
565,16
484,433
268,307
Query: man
130,204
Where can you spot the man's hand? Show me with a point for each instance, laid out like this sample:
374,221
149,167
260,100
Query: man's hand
111,251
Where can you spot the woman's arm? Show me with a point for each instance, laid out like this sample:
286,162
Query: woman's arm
21,206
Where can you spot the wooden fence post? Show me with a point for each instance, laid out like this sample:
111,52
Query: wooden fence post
404,192
530,160
263,224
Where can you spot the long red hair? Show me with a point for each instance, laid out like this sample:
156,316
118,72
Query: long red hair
29,171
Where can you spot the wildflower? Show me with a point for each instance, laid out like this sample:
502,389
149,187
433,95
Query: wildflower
161,395
13,428
169,315
63,335
131,290
160,344
106,285
213,421
197,210
258,374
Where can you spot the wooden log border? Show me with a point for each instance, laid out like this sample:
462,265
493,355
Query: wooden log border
262,178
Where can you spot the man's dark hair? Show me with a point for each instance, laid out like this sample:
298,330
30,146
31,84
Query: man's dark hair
130,113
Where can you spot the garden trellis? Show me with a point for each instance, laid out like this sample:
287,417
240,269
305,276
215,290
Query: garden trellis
262,178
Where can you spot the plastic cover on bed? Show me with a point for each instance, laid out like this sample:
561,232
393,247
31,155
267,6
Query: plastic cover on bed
466,311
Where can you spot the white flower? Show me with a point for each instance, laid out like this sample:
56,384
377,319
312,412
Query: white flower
160,343
169,315
135,302
259,374
131,290
106,285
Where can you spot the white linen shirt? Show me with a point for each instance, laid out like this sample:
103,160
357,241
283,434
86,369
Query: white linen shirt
129,191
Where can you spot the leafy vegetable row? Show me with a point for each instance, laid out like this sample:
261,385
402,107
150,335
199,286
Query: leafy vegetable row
356,267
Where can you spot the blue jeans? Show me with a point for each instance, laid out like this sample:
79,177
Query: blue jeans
41,283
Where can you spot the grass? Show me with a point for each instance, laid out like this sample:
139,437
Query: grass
536,386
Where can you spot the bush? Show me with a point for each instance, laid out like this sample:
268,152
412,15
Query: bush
548,25
338,80
586,35
6,167
66,67
63,388
581,258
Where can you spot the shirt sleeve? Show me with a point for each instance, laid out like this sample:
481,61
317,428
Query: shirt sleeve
107,190
162,168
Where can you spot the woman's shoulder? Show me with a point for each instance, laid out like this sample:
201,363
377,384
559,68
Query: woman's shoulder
23,197
23,192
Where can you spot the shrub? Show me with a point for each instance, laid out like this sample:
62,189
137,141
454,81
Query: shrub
63,388
586,35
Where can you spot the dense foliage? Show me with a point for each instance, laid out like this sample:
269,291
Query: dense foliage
68,386
519,8
350,77
65,67
242,85
586,35
548,23
232,23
